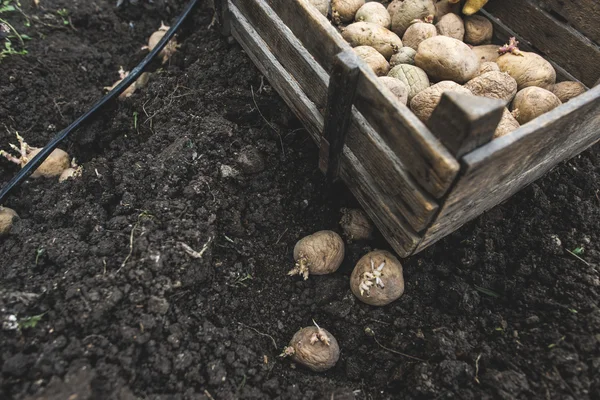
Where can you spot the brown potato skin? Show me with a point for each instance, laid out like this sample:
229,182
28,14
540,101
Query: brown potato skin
488,66
487,52
318,356
354,222
405,11
374,12
423,104
445,58
530,69
494,85
532,102
451,25
406,55
507,124
7,218
397,87
478,30
369,34
53,166
393,278
345,10
374,59
416,33
412,76
444,7
568,90
324,251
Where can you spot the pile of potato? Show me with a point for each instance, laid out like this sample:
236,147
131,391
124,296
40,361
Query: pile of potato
423,48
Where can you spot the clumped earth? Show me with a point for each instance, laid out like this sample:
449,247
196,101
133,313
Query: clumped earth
161,272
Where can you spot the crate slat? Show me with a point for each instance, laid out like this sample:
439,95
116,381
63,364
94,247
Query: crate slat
583,15
396,230
413,203
553,39
422,155
498,170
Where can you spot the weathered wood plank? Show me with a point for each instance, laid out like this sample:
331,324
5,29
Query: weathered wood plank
415,204
499,169
376,203
222,15
424,157
552,38
342,90
465,122
583,15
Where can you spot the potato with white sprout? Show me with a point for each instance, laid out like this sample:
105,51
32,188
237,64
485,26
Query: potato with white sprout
52,167
313,347
141,82
7,218
169,49
318,254
377,278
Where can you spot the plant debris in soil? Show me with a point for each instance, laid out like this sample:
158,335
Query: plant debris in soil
160,273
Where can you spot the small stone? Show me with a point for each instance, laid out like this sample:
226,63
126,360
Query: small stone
533,320
228,171
158,305
250,160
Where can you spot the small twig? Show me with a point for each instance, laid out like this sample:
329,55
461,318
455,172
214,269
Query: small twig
260,333
371,333
193,253
281,236
477,369
14,30
268,123
208,395
577,257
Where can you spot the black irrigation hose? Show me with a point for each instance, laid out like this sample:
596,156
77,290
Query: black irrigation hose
39,158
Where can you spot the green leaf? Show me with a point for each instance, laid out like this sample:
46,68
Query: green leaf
578,251
574,311
26,37
30,322
7,8
486,291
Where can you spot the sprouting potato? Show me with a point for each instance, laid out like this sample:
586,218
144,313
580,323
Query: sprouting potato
74,171
532,102
343,11
318,254
377,278
369,34
169,49
374,12
313,347
528,69
374,59
53,166
141,82
7,218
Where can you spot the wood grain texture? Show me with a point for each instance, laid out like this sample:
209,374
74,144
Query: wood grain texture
423,156
376,157
338,116
553,39
499,169
465,122
583,15
375,202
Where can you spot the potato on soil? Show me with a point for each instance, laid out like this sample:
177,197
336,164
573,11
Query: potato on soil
7,218
355,223
313,347
445,7
532,102
374,12
495,85
414,77
406,55
322,5
451,25
374,59
487,52
169,49
529,69
507,124
369,34
567,90
405,11
318,254
488,66
377,278
425,102
53,166
345,10
397,87
445,58
478,30
417,33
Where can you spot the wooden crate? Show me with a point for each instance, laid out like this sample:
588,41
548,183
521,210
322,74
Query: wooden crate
419,183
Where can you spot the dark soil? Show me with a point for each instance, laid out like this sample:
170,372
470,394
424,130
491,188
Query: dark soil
498,309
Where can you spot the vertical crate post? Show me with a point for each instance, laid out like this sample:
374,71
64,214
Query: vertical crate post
222,14
465,122
340,97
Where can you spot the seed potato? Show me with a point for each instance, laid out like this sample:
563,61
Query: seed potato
397,87
414,77
418,32
507,124
495,85
427,100
318,254
488,67
7,218
322,5
451,25
374,59
355,224
478,30
532,102
567,90
369,34
377,278
445,7
445,58
374,12
530,69
345,10
313,347
408,10
406,55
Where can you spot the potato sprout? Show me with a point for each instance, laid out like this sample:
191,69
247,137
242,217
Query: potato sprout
313,347
318,254
169,49
7,218
52,167
377,278
141,82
